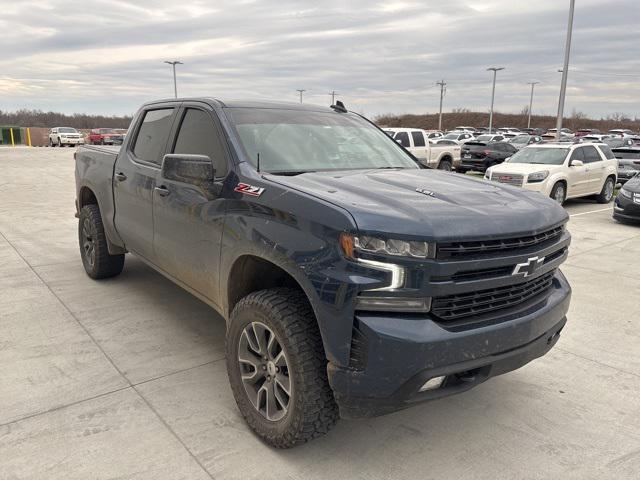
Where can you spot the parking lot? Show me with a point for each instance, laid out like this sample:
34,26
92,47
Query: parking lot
125,378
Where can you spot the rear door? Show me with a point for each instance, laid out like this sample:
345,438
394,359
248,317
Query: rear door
135,173
419,147
188,219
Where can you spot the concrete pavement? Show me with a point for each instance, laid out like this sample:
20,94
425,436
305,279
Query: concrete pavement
125,378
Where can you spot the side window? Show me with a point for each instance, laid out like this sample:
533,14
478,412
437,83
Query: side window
199,136
418,139
499,138
578,154
403,139
607,152
591,155
152,135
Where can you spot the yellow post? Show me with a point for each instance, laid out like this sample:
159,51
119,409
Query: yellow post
13,144
28,137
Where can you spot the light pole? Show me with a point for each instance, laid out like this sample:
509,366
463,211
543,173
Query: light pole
301,90
495,70
442,86
533,84
333,94
175,84
565,70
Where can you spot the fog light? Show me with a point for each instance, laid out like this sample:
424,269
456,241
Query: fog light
432,384
394,304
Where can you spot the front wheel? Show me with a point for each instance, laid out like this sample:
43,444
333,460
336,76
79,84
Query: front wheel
97,261
559,193
277,368
606,194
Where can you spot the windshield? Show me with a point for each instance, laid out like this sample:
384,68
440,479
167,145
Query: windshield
452,136
104,131
67,130
520,139
543,156
296,141
484,138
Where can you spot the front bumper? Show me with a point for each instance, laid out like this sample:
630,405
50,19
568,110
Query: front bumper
476,164
404,351
626,209
72,141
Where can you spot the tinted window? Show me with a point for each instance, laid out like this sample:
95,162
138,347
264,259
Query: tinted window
510,148
591,155
403,139
152,136
578,154
198,136
607,152
418,139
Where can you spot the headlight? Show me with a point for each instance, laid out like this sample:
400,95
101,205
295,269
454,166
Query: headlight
537,176
487,175
352,244
626,193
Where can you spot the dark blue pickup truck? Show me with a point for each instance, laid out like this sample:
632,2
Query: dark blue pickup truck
354,282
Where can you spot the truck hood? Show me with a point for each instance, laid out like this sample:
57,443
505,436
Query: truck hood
430,204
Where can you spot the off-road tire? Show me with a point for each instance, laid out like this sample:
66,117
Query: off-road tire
101,264
554,192
312,409
606,196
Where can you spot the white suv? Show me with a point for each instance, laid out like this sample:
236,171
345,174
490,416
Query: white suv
60,136
561,171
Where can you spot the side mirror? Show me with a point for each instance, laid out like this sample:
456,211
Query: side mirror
576,163
192,169
507,159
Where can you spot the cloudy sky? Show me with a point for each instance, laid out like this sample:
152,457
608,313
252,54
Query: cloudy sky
381,57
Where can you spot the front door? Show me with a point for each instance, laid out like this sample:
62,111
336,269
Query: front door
188,219
135,175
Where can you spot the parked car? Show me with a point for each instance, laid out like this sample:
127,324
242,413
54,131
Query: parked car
442,157
465,129
489,137
479,156
433,134
105,136
622,132
534,131
587,131
61,136
460,138
593,138
352,282
565,132
628,162
561,171
521,141
441,141
619,142
626,207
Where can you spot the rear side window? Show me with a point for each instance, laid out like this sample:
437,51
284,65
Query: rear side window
591,155
607,152
199,136
403,139
418,139
153,134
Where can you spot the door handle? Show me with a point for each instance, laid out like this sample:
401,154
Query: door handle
162,191
121,177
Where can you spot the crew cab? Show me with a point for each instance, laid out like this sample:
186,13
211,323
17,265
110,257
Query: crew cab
561,171
442,157
61,136
353,281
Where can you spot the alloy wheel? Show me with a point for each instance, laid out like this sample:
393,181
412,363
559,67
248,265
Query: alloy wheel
89,242
265,372
559,196
608,190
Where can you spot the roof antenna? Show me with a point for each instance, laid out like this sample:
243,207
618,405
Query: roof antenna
258,165
339,107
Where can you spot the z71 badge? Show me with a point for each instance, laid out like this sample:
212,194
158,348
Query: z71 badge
424,191
249,189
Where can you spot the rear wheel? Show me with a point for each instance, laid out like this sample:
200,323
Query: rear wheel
606,194
559,193
445,165
277,368
97,261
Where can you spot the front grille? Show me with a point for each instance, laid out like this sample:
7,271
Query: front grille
453,307
458,250
509,179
